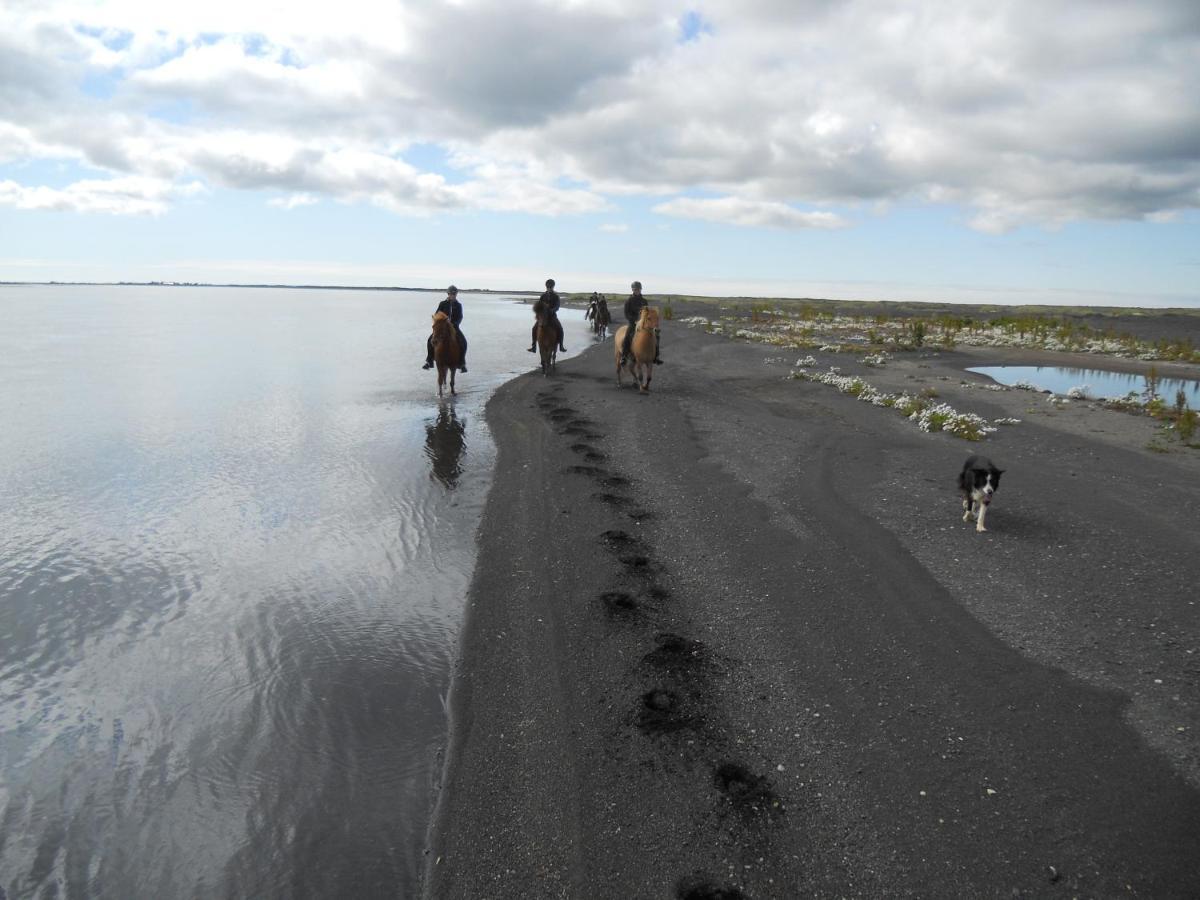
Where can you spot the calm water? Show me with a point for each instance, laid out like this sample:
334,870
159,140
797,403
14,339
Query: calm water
235,534
1099,383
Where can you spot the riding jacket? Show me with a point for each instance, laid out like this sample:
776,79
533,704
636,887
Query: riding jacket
633,307
453,309
550,301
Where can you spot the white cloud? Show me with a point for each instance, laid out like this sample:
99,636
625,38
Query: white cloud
751,213
614,227
293,201
117,196
1021,112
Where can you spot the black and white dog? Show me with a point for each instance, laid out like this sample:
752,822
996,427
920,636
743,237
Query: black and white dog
978,481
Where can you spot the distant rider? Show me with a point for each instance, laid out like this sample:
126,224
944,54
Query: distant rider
452,308
633,311
548,302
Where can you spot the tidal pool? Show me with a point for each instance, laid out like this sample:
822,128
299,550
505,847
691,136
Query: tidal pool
1098,383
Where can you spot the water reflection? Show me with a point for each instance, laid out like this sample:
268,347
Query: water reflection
445,444
1097,383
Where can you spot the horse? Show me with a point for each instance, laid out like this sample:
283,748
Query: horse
446,352
547,337
641,351
602,319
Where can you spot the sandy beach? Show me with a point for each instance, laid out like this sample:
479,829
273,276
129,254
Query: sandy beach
733,639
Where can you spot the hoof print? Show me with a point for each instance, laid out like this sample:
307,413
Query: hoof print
749,792
612,499
593,471
615,481
661,712
656,592
636,564
700,888
674,651
619,603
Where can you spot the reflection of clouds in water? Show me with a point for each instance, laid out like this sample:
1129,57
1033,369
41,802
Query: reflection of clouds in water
445,444
1099,382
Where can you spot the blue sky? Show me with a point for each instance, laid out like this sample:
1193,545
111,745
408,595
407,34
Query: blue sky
860,150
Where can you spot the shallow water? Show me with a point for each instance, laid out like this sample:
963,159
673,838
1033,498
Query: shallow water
236,529
1098,383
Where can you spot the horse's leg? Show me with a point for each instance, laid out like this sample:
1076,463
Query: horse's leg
452,371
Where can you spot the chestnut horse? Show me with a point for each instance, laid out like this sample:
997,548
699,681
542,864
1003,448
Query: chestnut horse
446,352
547,337
641,351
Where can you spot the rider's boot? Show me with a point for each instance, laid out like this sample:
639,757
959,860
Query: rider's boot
428,364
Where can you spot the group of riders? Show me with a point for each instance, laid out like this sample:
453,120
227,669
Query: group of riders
547,305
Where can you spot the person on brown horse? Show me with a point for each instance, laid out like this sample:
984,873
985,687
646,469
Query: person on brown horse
547,303
451,307
633,310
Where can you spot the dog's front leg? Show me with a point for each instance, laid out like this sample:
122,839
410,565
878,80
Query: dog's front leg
966,509
982,512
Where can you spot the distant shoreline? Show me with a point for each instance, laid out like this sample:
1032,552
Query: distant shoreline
689,301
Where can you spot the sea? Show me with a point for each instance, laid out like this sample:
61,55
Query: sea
237,529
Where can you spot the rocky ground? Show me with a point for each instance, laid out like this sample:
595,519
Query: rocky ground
732,639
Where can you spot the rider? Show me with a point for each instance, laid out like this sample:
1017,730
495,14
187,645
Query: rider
549,303
451,307
633,311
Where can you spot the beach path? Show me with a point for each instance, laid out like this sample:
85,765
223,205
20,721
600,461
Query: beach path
734,635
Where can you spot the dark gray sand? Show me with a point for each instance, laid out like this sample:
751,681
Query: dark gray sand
732,639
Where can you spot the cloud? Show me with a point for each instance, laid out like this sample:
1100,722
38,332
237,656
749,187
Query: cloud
293,201
749,213
117,196
1019,112
614,227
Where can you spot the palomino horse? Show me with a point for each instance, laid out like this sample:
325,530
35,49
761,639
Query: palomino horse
641,351
547,337
446,352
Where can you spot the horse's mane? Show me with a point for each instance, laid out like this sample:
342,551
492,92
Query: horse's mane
439,316
648,316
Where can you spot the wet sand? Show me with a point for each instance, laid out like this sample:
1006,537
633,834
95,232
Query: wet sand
734,636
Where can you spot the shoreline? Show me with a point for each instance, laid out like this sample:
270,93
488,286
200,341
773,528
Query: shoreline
733,635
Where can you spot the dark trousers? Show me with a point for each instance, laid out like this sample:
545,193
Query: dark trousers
462,349
557,326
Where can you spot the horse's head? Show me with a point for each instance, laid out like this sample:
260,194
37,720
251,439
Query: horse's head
439,316
648,318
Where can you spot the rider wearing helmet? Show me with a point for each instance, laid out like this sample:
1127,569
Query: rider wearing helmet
452,308
548,302
633,310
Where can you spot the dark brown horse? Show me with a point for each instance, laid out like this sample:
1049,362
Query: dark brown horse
603,318
547,336
446,352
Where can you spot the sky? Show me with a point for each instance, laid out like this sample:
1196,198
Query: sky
1029,151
